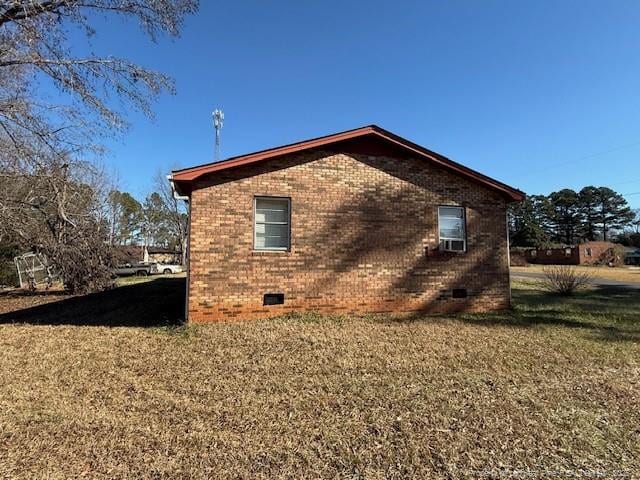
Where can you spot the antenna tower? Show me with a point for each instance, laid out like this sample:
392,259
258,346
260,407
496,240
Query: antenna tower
218,121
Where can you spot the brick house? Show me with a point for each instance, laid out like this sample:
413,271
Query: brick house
355,222
588,253
162,255
124,254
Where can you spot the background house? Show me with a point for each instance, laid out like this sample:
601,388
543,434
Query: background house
152,254
131,254
588,253
164,255
632,256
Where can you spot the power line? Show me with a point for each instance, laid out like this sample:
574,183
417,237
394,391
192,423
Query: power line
585,157
626,182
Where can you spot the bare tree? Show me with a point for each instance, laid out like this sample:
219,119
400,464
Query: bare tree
34,39
50,197
175,212
33,45
60,212
635,223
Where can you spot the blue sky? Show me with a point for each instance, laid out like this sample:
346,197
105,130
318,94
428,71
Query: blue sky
541,94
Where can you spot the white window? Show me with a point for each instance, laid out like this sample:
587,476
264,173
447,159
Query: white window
567,252
451,229
271,226
534,253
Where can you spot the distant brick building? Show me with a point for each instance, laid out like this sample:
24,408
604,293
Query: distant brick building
154,254
588,253
124,254
360,221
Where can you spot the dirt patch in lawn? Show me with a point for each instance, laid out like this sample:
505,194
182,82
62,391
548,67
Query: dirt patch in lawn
541,390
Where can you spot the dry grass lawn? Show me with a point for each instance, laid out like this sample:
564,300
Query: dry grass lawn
547,391
621,274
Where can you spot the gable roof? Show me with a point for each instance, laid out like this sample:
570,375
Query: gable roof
184,178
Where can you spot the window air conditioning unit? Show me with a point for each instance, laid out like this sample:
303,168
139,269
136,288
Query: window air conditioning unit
452,246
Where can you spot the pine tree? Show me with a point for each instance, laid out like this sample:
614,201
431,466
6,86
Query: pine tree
588,198
525,223
566,216
613,211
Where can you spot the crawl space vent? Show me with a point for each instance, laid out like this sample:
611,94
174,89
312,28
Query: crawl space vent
459,293
273,299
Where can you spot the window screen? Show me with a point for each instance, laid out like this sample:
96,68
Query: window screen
451,229
271,223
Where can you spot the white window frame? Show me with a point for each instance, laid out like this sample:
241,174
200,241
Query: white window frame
464,231
288,224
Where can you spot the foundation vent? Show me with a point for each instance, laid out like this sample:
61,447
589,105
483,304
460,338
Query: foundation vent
273,299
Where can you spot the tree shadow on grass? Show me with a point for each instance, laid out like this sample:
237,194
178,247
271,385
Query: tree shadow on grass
607,313
159,302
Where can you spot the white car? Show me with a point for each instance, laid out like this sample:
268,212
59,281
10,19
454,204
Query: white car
166,268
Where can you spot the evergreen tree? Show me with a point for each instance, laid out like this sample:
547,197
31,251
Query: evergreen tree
156,228
126,217
613,211
588,198
526,220
566,216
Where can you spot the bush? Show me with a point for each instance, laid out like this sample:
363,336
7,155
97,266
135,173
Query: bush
8,272
565,279
84,262
616,256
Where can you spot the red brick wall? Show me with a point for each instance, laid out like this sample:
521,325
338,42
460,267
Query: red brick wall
359,229
554,256
599,251
578,256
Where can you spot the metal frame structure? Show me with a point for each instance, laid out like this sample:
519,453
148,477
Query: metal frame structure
33,270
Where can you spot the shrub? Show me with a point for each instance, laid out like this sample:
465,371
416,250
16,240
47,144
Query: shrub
8,272
616,256
565,279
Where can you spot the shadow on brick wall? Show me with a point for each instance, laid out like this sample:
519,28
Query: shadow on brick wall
382,227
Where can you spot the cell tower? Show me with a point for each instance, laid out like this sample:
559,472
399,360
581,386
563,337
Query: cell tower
218,119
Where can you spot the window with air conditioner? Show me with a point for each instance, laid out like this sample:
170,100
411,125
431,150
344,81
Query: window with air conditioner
451,228
272,222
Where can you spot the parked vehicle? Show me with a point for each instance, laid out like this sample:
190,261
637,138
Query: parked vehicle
166,268
128,269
